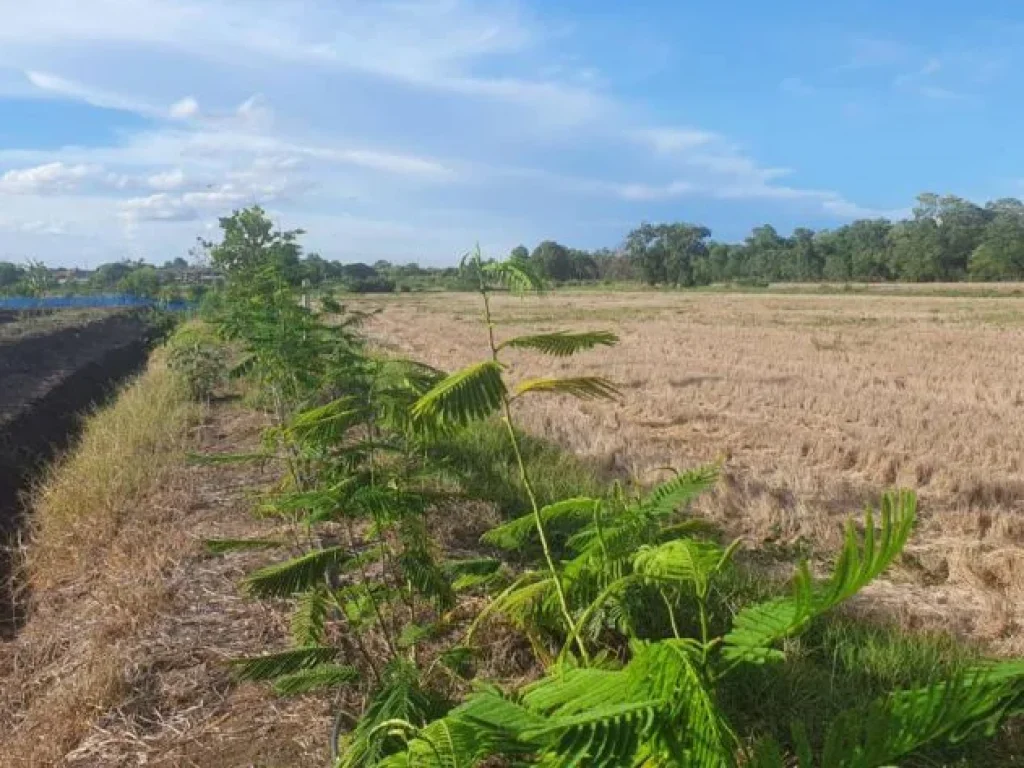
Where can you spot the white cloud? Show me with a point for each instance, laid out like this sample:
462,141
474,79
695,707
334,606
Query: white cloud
167,180
59,86
50,178
184,109
671,140
255,111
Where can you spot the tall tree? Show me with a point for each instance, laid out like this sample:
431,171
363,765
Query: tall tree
553,260
665,253
250,242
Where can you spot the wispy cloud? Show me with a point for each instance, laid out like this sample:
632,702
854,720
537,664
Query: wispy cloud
360,114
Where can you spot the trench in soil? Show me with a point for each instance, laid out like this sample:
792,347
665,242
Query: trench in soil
47,383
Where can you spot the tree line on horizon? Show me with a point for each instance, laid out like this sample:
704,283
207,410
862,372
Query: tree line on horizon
947,238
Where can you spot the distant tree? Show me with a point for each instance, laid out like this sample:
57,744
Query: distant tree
357,271
1000,255
10,274
767,253
553,261
806,262
143,282
867,241
38,279
250,242
107,276
583,265
665,252
520,252
916,250
315,269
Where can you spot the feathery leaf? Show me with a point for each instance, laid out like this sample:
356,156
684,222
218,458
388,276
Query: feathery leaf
581,387
317,678
467,395
223,546
274,665
296,575
562,343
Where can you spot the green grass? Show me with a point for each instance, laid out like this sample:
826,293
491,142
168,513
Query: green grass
482,456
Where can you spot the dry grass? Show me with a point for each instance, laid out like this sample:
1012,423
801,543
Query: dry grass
122,660
123,454
816,403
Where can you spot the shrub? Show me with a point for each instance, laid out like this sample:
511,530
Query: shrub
198,357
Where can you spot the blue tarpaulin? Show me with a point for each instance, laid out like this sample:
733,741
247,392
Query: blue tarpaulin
98,301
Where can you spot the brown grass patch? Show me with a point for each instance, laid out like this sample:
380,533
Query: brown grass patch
817,403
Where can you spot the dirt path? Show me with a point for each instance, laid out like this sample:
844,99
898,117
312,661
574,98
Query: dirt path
129,669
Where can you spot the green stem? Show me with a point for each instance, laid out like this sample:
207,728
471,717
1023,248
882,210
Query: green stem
703,611
528,485
671,614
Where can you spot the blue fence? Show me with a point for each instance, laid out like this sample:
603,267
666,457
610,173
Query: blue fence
98,301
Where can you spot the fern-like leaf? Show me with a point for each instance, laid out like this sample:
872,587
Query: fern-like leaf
327,424
223,546
310,617
895,727
315,679
520,531
683,488
296,575
518,275
273,665
562,343
757,627
683,561
467,395
580,387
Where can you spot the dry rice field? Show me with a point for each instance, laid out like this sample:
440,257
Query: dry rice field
814,404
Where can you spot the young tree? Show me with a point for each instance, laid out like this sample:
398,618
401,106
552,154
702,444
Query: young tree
251,243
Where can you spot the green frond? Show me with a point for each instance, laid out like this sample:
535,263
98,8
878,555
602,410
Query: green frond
273,665
519,602
327,424
485,725
658,707
974,702
580,387
683,561
223,546
467,395
518,275
311,506
683,488
471,572
562,343
315,679
400,698
756,628
420,569
520,531
310,617
296,575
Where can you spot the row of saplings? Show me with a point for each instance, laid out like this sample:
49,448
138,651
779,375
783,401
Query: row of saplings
629,607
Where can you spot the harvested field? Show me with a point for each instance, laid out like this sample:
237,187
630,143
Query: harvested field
815,403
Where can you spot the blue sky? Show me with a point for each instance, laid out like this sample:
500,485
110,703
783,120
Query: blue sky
410,130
